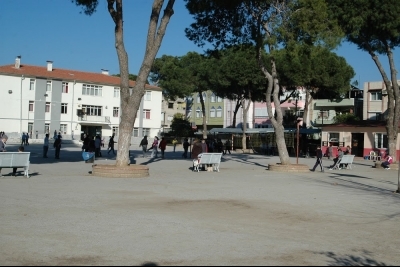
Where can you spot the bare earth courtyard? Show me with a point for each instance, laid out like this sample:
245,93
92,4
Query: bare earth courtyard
243,215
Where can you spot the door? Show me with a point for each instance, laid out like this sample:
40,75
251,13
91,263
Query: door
357,144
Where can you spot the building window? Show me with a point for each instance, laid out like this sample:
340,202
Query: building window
198,113
116,92
116,112
48,86
90,89
135,132
47,128
32,84
381,140
213,97
198,98
92,110
31,103
170,118
376,96
205,97
146,114
146,131
170,105
219,112
64,108
260,112
212,112
65,87
147,96
115,130
30,128
219,99
63,128
47,109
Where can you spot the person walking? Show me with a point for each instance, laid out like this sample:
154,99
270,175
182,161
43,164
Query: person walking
97,145
45,145
174,143
55,135
144,144
23,139
27,139
185,148
154,146
228,146
319,160
57,146
111,143
163,146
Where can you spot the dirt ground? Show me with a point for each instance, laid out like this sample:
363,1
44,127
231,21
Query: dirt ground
243,215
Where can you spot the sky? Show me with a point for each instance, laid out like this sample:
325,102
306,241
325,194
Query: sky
56,30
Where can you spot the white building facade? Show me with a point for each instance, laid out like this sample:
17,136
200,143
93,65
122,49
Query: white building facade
39,100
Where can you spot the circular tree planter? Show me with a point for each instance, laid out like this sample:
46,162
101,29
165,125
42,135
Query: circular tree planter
289,168
113,171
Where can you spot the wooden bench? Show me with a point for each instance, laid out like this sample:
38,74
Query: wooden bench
208,158
15,160
347,159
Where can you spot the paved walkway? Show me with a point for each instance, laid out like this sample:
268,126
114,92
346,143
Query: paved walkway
244,214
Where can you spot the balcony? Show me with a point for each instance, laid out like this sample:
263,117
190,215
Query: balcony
94,119
347,102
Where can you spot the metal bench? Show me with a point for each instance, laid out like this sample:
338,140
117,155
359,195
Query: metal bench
208,158
347,159
15,160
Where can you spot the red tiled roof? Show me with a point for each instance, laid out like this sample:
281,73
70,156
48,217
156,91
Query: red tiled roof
66,75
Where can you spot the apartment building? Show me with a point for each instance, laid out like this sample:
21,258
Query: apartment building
41,99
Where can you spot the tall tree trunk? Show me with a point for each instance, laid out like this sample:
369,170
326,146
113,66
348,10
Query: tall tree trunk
203,110
306,108
245,112
392,87
273,91
130,103
235,112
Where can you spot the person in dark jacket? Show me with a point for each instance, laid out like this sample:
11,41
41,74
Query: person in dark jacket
319,160
57,146
144,144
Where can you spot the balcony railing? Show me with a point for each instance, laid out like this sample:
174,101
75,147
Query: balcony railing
325,121
98,119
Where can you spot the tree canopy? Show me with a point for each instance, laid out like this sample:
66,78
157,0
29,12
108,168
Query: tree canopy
374,26
268,25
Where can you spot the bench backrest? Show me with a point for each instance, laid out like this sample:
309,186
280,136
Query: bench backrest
14,159
210,158
347,159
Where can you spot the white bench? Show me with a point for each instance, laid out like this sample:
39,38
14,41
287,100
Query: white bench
15,160
347,159
208,158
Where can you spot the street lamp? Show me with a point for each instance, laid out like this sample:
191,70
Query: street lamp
299,123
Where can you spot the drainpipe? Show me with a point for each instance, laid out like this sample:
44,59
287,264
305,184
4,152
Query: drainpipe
20,117
72,111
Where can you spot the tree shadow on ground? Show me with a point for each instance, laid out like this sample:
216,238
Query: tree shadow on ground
359,185
365,259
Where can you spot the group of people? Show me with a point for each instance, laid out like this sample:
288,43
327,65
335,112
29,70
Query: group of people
95,143
25,139
155,145
341,152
